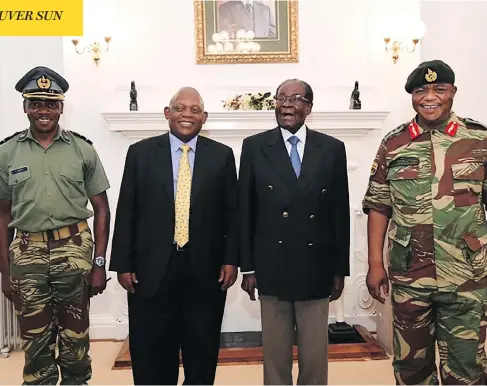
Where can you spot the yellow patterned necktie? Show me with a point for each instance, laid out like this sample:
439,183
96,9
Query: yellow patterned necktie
183,195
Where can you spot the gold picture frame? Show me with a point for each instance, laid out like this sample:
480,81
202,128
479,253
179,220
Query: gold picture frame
279,45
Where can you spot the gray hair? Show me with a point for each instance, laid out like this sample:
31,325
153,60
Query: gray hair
308,91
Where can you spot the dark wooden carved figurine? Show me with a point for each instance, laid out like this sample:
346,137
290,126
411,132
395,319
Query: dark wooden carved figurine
355,103
133,97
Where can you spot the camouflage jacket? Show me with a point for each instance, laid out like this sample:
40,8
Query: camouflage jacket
431,185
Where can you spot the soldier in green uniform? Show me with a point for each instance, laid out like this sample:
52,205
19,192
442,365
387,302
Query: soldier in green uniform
47,176
427,190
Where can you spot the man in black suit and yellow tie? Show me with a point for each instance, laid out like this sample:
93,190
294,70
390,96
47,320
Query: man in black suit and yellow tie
175,246
295,235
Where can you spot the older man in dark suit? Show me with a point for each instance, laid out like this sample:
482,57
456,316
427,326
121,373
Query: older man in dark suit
175,246
247,15
295,234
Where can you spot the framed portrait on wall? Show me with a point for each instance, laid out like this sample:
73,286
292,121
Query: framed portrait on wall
246,31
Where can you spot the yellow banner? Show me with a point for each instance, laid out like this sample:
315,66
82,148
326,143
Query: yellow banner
41,17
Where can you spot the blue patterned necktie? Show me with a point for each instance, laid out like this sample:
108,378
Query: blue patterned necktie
295,161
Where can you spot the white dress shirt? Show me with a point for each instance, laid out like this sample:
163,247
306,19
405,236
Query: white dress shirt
301,134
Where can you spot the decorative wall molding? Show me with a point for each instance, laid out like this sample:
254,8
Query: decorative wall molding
360,251
240,124
365,302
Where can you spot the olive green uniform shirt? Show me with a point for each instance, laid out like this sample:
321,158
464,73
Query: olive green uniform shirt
49,188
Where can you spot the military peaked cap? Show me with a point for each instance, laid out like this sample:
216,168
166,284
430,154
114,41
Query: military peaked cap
42,83
433,71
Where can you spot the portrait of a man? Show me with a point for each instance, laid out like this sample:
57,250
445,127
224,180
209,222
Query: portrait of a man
270,31
253,15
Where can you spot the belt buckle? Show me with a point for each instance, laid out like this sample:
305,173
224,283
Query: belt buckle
180,249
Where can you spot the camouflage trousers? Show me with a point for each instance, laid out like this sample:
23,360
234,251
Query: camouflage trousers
456,322
51,298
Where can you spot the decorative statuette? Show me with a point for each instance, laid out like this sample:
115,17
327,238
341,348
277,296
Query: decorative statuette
133,97
355,103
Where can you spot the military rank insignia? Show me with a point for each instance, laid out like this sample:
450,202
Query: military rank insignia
452,128
413,130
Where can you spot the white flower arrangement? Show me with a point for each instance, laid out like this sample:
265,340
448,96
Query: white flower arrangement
251,101
241,42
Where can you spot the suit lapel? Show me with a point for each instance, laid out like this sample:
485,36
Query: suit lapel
277,154
312,157
261,18
164,161
202,162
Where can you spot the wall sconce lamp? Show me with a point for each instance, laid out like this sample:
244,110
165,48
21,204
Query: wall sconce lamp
397,46
94,48
402,35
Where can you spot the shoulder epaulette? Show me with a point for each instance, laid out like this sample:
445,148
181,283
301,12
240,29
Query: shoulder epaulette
11,136
474,122
395,131
81,136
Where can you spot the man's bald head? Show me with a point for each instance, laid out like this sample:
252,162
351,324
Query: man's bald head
187,91
186,113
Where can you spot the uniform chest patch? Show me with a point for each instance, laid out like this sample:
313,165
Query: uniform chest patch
479,152
19,170
404,161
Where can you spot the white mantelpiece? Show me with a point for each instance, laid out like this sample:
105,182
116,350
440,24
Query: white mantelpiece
240,124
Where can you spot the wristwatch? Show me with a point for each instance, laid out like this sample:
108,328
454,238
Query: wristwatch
99,261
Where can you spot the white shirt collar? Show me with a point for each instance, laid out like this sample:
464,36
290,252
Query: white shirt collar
301,134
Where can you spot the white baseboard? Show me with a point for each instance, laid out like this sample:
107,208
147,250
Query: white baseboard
108,327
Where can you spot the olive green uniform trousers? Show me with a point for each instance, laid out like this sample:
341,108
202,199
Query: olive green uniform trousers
51,297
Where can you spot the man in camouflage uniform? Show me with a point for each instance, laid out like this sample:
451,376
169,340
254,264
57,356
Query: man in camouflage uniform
428,179
47,176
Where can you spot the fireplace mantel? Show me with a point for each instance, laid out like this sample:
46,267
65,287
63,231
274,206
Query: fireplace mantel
240,124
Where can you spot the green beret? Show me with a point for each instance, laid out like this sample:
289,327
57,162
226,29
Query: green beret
42,83
433,71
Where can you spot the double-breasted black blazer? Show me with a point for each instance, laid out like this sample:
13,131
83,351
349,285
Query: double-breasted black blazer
294,232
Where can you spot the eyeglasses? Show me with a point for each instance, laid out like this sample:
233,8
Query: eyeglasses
294,99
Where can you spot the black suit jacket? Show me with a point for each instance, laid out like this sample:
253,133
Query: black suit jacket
144,225
295,233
